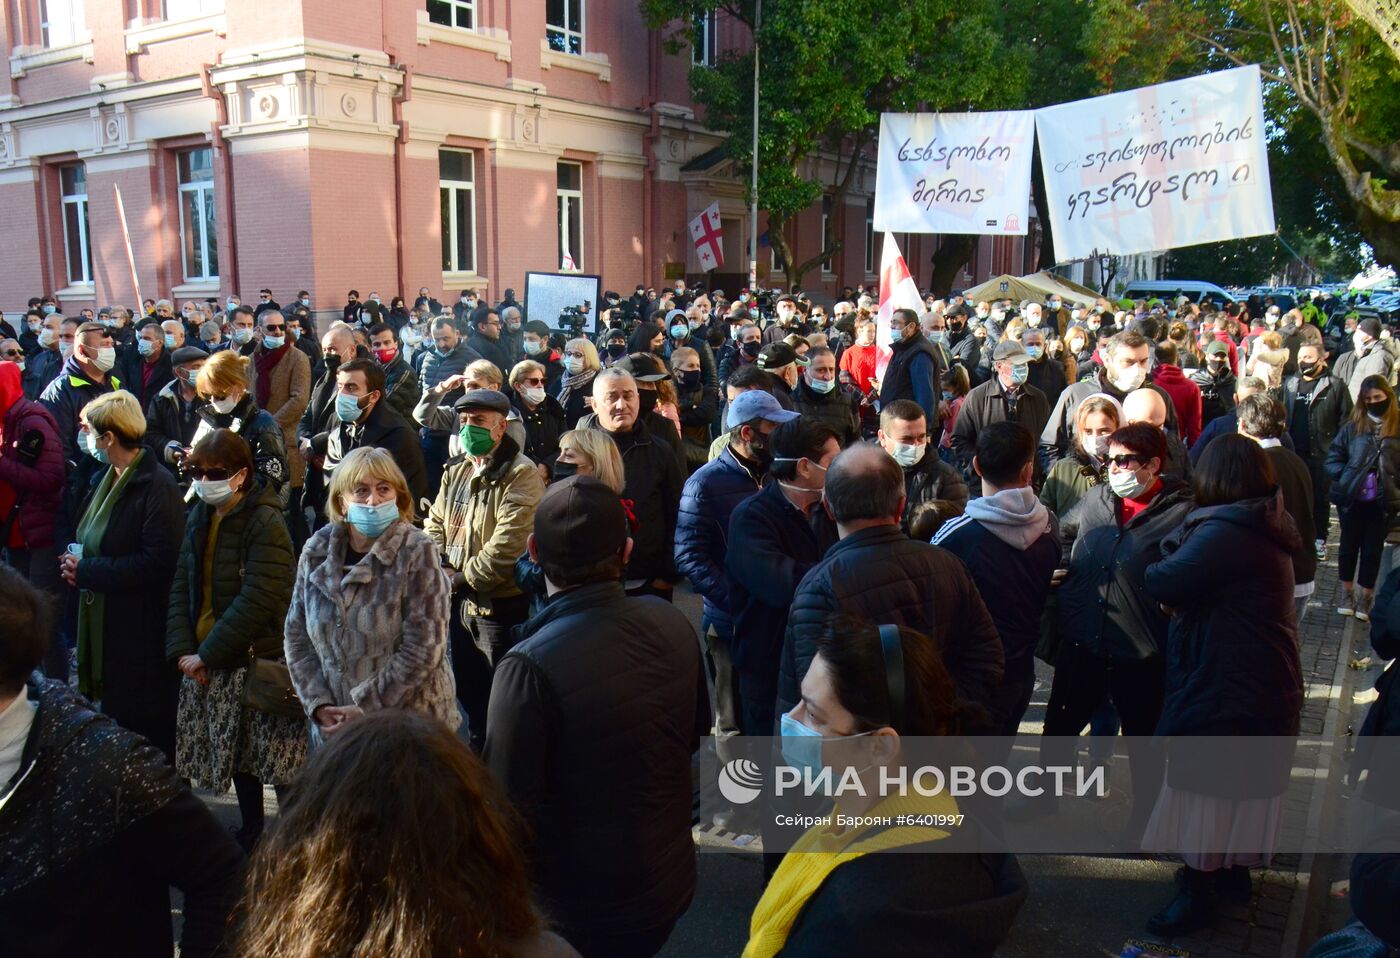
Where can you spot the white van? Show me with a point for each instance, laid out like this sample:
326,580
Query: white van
1164,289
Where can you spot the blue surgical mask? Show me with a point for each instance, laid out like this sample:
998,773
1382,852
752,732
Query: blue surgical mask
145,347
822,386
370,520
90,444
573,364
1035,352
947,396
938,336
680,331
347,407
273,342
802,747
305,301
50,309
533,347
896,334
1019,372
169,340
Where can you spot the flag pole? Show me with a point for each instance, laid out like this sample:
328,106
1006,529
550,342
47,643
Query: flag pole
753,188
126,238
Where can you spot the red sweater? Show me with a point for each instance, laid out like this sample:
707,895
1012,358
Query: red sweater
1186,397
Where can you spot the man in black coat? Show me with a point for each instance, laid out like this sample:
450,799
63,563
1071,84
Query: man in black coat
879,575
364,419
486,339
94,814
1046,373
1316,404
821,396
172,416
144,366
927,478
594,718
1006,397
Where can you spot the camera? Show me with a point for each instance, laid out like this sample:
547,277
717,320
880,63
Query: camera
574,318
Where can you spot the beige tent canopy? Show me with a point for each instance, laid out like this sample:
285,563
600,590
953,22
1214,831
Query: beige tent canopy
1036,287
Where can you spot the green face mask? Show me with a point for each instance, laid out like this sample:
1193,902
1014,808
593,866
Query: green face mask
476,440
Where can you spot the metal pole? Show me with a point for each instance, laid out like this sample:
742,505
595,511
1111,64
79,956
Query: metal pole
753,188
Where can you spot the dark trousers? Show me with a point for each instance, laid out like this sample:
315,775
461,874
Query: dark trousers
1013,697
1321,504
478,643
1083,681
434,456
1363,536
637,944
758,704
40,567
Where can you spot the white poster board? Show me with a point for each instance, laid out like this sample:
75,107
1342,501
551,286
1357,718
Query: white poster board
1170,165
954,172
547,294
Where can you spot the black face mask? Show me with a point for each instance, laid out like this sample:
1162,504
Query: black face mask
691,379
563,470
758,449
751,349
646,400
1310,370
332,363
1378,408
617,349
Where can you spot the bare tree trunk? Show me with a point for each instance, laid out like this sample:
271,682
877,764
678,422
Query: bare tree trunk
952,255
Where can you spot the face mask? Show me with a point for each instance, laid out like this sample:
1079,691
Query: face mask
751,349
386,356
106,358
1215,365
1035,352
696,323
1096,446
938,336
1053,305
273,342
574,364
802,747
907,454
243,335
1377,409
896,334
690,379
169,340
947,396
563,470
822,386
1019,372
1033,320
679,331
617,349
1310,370
983,313
347,407
533,347
46,338
295,332
533,395
232,305
50,309
1359,340
476,440
374,300
90,444
214,491
225,406
734,332
646,401
370,520
145,347
1129,379
1126,485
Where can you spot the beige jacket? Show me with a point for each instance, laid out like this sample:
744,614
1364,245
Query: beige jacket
291,391
480,520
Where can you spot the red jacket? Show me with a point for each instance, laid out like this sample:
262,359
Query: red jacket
1186,397
40,484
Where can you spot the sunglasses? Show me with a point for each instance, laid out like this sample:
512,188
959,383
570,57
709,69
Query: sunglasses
1124,460
214,475
12,352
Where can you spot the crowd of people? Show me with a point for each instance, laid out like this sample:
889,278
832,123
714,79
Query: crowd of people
414,571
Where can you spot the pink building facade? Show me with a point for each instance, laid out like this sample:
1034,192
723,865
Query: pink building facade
376,145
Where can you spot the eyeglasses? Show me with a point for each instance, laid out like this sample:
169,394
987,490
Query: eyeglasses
12,352
1124,460
214,475
533,381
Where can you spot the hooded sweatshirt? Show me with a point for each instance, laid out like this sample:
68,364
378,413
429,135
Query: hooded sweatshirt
1010,543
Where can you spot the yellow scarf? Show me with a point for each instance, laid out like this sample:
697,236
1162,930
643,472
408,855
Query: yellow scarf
821,851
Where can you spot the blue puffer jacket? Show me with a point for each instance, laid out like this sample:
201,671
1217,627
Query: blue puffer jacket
702,530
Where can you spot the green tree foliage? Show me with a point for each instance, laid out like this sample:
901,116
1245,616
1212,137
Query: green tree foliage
829,69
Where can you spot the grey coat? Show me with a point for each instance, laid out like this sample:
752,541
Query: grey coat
374,635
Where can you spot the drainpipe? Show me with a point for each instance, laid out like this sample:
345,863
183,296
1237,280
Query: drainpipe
649,152
221,151
400,151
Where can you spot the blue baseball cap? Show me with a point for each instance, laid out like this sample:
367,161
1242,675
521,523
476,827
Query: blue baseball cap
756,404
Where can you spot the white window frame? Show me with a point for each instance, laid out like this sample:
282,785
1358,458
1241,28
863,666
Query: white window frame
80,202
189,9
451,228
458,8
702,53
562,214
204,190
550,29
69,19
869,236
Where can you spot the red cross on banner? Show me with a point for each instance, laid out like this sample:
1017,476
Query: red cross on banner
705,234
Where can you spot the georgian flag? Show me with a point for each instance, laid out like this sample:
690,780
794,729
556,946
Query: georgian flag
705,234
897,291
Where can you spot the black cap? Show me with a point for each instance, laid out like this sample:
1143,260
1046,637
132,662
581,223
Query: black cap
187,354
786,298
644,367
483,399
778,355
579,521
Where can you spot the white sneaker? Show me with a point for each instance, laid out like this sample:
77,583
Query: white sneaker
1348,606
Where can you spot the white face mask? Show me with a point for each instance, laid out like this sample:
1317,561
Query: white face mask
1129,379
534,395
907,454
105,359
225,406
1096,446
1126,485
214,491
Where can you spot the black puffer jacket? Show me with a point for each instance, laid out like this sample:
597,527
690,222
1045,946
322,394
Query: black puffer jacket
253,573
839,409
1353,454
1232,647
261,432
931,478
1103,606
882,576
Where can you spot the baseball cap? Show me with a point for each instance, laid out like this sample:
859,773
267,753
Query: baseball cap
644,367
483,399
1216,348
756,404
778,355
1010,351
579,521
786,298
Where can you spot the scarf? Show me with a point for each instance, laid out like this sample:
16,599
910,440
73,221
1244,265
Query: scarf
265,361
821,851
92,605
573,381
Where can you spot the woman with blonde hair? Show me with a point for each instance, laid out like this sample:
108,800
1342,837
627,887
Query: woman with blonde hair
224,385
1097,417
540,413
367,626
581,364
395,841
1266,362
1364,466
1187,348
128,540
